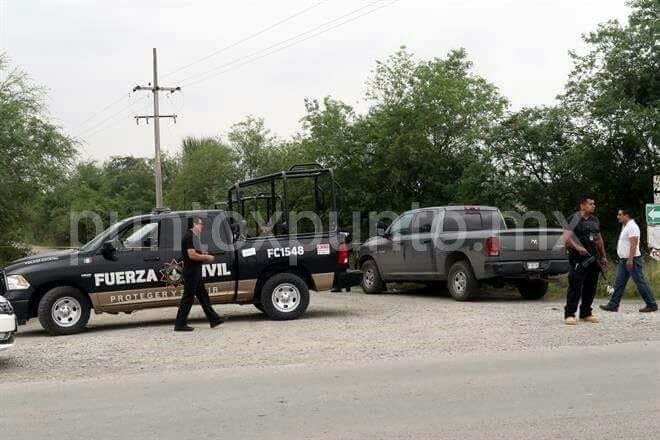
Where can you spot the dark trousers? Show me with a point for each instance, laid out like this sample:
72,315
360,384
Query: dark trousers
193,286
582,283
337,284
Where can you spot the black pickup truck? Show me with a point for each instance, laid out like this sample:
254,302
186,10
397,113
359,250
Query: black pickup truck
136,263
464,246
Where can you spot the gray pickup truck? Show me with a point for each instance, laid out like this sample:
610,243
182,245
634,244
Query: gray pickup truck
463,246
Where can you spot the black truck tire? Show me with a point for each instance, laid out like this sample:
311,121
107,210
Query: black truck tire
64,310
462,283
371,280
533,289
284,296
259,307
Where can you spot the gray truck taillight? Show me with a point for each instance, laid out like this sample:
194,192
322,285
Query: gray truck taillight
493,247
342,255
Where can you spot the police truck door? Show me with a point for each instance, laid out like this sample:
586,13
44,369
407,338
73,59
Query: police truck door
132,279
219,276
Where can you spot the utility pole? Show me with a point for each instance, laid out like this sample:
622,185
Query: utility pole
155,88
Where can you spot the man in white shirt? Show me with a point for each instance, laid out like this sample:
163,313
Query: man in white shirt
630,265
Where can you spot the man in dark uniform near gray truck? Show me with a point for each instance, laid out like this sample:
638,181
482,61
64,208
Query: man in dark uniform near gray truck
193,285
587,258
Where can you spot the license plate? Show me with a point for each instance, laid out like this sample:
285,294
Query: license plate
533,265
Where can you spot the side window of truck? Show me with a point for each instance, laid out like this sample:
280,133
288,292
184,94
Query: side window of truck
401,225
139,236
214,235
423,222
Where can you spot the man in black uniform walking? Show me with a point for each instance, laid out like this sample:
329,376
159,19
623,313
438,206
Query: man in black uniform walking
586,256
193,286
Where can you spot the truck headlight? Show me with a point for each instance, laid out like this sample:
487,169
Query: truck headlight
6,308
17,282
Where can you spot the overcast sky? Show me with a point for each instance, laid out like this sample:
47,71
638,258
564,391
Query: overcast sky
90,54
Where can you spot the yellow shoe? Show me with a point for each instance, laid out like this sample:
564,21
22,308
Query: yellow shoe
570,320
592,319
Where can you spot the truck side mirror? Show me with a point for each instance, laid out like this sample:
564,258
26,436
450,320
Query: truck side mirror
108,250
380,229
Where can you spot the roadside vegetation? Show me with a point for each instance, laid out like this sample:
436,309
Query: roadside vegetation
435,133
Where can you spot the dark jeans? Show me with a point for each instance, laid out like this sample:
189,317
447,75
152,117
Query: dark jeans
193,286
637,274
582,283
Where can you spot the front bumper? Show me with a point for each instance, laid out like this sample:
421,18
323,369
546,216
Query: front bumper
519,269
8,327
20,301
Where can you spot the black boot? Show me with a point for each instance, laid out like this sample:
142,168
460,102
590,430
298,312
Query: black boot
184,328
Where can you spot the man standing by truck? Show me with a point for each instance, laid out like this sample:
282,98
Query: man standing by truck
587,258
193,285
630,265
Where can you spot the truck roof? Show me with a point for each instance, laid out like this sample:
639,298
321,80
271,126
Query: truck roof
168,213
459,208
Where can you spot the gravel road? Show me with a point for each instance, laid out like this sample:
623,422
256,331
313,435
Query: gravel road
338,328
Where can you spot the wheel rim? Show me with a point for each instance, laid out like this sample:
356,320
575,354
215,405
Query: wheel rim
286,297
369,277
460,282
66,311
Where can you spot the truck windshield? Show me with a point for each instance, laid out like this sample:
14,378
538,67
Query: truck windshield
96,241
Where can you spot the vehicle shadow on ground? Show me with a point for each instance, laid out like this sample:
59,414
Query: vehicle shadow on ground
168,323
483,296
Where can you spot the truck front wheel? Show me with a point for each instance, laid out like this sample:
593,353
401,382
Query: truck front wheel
64,311
371,280
284,296
533,289
462,283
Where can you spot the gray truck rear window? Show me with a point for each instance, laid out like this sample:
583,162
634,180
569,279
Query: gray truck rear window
472,221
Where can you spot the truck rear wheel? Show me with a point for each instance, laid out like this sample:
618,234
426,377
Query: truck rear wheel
371,280
462,283
64,311
533,289
284,296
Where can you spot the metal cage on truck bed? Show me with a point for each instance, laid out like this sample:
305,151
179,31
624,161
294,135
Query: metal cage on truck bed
238,201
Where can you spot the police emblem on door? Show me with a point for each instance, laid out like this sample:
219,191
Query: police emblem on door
172,273
534,243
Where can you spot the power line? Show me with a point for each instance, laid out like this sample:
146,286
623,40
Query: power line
99,126
144,100
121,98
195,76
254,58
249,37
103,110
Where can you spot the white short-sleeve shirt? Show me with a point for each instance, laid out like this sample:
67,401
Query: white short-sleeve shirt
629,230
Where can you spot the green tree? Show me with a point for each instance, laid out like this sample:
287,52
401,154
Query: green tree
612,95
428,124
206,169
254,146
35,154
531,157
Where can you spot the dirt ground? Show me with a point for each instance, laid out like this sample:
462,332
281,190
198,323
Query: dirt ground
337,328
